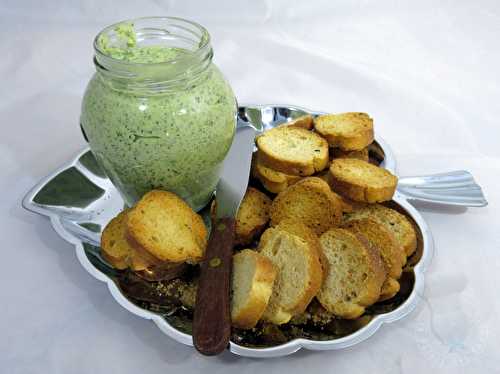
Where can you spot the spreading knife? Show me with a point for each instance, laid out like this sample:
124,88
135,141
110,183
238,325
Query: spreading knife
212,319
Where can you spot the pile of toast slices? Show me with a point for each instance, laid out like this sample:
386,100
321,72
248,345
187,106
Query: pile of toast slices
312,226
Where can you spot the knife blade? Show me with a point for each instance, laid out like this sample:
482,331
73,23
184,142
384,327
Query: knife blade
212,319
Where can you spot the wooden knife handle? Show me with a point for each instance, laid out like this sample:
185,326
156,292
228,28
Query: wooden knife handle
212,318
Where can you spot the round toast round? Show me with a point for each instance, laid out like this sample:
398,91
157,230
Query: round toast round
294,250
115,248
253,216
309,201
305,122
340,153
167,228
392,253
252,285
274,181
395,222
361,181
293,150
348,131
355,273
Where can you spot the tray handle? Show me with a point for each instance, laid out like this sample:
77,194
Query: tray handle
453,188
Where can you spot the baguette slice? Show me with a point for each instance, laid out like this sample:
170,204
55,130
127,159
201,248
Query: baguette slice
293,150
274,181
302,231
345,204
253,216
349,131
309,201
115,248
360,155
355,276
300,271
361,181
392,253
165,227
393,221
296,228
114,241
252,286
304,122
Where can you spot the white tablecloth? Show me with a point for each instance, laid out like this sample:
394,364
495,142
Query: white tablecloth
427,71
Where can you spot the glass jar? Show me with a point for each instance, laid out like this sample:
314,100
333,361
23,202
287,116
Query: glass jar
157,113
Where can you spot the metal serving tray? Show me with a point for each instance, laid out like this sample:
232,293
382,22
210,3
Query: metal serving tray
80,200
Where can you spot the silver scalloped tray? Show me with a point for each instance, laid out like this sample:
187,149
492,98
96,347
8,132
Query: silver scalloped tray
80,200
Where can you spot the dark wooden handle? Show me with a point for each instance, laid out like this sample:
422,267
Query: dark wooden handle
212,318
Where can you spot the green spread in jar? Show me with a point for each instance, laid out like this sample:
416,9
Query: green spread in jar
128,50
175,140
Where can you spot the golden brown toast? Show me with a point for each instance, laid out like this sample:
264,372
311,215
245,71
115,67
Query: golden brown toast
121,254
304,122
393,221
355,273
340,153
293,150
299,270
392,253
309,201
274,181
253,216
252,285
361,181
348,131
114,247
164,226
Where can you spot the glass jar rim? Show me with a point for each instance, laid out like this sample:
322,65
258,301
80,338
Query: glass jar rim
204,39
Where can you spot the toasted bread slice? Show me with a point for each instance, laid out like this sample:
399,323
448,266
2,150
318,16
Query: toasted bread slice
117,250
253,216
305,233
293,150
299,270
391,252
361,181
252,285
393,221
298,229
164,226
355,276
274,181
345,203
340,153
348,131
348,205
114,247
304,122
309,201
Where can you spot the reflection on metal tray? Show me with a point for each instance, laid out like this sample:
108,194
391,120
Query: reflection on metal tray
80,200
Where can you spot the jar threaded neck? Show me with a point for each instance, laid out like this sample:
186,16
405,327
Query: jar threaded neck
152,55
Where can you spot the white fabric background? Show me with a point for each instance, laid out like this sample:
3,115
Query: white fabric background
427,71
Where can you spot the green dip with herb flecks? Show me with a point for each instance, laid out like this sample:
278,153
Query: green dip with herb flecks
174,140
